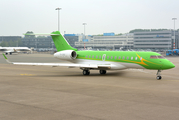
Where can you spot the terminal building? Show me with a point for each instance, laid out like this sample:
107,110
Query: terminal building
71,38
10,38
106,41
10,41
32,41
155,39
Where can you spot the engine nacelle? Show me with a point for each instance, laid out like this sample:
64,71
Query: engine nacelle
66,55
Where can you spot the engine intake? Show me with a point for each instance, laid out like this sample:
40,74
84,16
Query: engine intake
66,55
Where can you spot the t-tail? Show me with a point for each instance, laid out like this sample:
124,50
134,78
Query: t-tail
60,42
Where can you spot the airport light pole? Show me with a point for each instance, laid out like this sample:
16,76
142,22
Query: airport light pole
58,17
174,33
84,27
84,33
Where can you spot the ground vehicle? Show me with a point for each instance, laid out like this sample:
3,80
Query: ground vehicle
169,52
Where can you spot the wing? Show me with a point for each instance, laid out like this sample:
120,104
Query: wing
70,65
14,50
9,51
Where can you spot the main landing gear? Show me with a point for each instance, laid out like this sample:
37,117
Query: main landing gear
102,72
9,53
158,75
87,72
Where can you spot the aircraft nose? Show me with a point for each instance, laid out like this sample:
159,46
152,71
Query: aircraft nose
170,65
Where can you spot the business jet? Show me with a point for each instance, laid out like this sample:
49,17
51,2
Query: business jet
103,60
10,50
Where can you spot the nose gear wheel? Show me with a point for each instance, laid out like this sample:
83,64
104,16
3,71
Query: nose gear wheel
159,77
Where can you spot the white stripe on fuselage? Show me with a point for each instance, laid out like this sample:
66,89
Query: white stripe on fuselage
114,65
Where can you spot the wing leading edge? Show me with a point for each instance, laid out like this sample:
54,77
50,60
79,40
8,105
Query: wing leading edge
70,65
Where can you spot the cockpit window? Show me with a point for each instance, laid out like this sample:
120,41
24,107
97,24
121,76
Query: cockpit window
160,57
156,57
153,57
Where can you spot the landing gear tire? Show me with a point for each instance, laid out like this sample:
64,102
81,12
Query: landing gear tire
102,72
159,77
6,53
86,72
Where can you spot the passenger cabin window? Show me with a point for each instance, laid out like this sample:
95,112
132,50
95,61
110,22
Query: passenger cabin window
111,57
93,56
86,56
127,58
107,57
96,56
99,56
135,58
89,56
131,58
140,58
119,57
115,57
123,57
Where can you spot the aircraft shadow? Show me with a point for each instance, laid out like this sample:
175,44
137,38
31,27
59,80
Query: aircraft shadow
122,73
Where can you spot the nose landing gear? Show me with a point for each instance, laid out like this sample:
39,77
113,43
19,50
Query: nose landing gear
158,75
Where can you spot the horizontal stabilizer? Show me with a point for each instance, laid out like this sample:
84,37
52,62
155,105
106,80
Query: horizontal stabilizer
43,34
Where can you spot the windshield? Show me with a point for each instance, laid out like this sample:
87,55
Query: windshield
156,57
160,57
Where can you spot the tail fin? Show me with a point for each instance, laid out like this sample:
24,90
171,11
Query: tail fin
60,42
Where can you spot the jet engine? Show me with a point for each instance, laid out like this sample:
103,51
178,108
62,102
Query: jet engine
66,55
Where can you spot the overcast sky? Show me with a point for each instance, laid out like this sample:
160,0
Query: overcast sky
118,16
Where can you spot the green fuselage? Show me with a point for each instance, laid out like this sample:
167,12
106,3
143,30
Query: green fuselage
148,60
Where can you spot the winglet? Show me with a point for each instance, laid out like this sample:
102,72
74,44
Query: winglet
6,58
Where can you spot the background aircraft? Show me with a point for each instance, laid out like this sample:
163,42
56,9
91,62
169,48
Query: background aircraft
103,60
10,50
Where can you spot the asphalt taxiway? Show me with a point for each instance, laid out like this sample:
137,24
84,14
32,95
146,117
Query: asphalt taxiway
60,93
